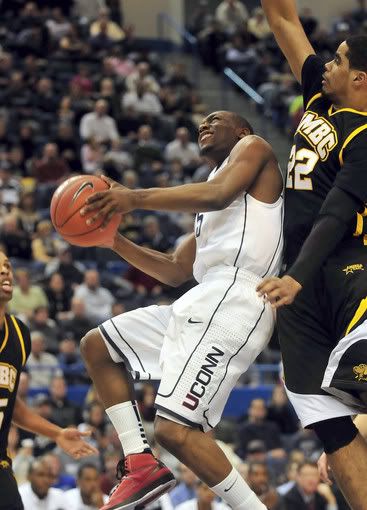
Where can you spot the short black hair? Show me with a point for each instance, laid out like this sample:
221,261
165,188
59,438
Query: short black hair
357,52
241,122
257,463
83,467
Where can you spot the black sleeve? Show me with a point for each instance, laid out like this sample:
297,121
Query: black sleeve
334,219
312,71
352,176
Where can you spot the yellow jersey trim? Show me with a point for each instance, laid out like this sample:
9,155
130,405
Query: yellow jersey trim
313,98
6,336
349,139
357,316
21,339
351,110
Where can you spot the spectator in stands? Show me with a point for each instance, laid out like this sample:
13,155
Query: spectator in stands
64,413
6,66
88,493
141,100
42,323
16,242
22,457
186,488
152,235
61,480
108,478
142,73
117,158
23,387
183,150
94,420
257,25
309,22
26,213
307,493
147,148
70,361
98,300
58,295
102,43
44,244
257,427
91,155
67,142
44,99
77,320
41,365
51,168
26,297
58,25
16,161
258,480
281,412
130,179
70,270
98,124
291,475
17,95
205,498
9,186
26,140
37,493
232,15
113,30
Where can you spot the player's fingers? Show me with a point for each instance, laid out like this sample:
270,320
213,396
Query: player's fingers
280,302
96,196
86,433
107,219
109,181
103,211
268,288
263,287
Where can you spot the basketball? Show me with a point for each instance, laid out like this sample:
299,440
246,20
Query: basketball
65,207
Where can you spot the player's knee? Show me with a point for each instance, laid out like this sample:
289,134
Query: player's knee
336,433
172,436
92,346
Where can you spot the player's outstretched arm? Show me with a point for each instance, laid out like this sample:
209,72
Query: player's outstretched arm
171,269
247,160
285,24
69,439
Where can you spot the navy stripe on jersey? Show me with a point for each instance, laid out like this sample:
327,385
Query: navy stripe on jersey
243,231
127,343
179,417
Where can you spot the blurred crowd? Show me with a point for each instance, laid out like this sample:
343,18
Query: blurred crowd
80,95
234,36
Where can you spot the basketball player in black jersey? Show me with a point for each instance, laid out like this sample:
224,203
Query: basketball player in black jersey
323,330
14,350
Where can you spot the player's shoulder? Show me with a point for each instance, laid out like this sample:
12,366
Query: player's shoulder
252,142
21,330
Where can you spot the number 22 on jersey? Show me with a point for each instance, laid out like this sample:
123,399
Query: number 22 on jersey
301,164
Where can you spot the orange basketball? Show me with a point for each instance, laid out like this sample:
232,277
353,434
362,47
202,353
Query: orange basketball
65,207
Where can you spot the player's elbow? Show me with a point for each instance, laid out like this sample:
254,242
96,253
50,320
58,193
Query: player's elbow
218,199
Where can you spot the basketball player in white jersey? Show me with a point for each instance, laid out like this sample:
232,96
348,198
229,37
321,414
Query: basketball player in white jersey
200,345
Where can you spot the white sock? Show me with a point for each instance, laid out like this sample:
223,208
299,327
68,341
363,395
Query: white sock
235,491
125,417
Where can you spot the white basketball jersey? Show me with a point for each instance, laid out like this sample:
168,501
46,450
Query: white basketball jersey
247,234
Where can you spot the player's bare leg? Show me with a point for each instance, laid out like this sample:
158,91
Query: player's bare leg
349,466
114,387
202,455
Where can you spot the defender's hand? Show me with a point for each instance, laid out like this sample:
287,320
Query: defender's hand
279,291
117,199
70,440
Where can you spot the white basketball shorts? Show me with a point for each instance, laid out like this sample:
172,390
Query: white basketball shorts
197,347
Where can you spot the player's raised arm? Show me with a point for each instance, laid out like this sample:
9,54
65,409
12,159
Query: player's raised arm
285,24
247,160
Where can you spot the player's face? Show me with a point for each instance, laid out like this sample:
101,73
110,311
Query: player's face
337,77
217,133
6,279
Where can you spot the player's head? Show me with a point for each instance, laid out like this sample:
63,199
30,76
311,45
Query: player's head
346,75
88,480
219,132
6,279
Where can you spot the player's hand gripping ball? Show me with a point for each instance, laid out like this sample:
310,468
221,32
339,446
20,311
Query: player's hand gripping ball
66,203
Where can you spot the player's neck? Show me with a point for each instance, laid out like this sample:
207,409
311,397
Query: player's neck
352,103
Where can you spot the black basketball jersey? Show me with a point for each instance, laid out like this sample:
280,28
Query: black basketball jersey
15,346
330,148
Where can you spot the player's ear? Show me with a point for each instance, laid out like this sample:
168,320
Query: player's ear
243,132
360,78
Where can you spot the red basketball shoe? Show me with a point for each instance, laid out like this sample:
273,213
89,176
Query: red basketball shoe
143,479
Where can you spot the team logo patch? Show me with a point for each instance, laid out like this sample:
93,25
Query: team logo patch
361,372
4,464
352,268
319,132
